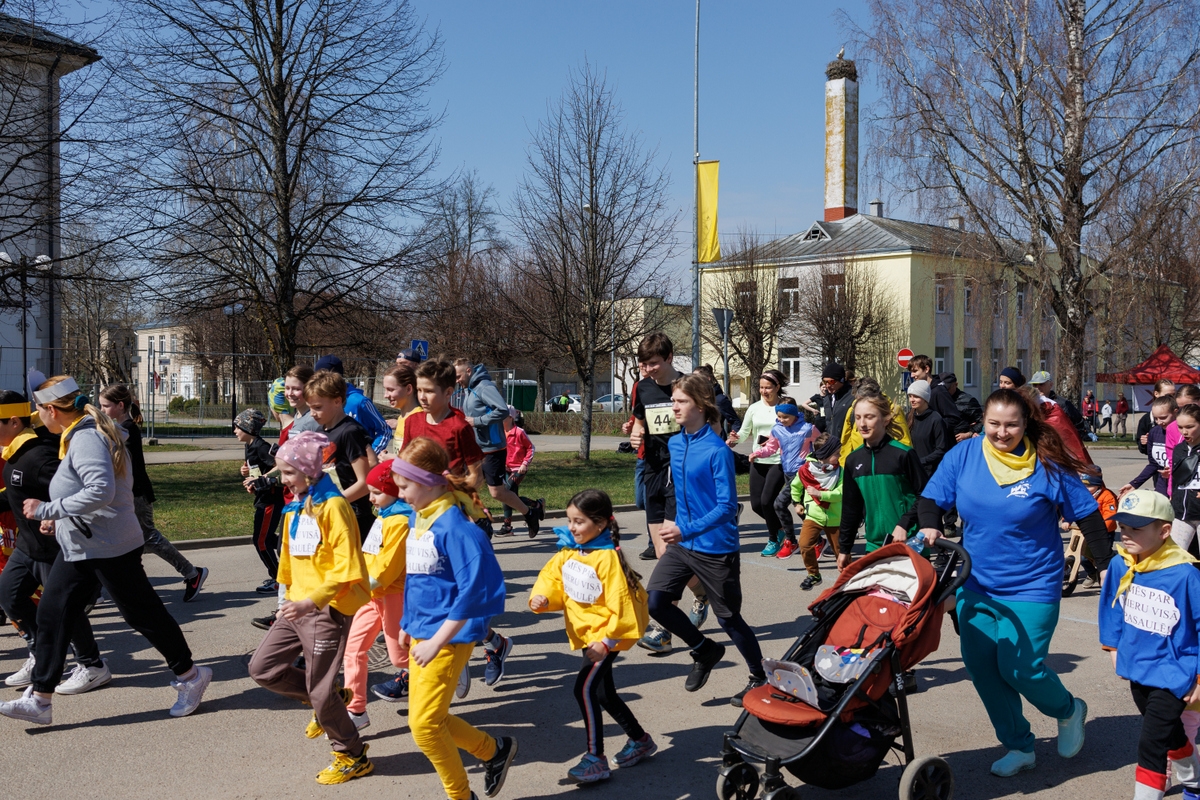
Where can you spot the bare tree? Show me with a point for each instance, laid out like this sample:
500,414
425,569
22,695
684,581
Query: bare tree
748,284
593,222
1039,118
283,147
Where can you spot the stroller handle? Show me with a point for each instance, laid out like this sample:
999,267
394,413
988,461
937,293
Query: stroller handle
957,553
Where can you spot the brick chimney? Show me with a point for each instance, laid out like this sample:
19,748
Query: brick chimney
841,139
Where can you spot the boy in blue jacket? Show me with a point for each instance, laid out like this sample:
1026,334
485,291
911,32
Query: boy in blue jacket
1150,622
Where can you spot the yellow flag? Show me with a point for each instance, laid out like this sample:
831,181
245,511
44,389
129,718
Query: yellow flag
709,249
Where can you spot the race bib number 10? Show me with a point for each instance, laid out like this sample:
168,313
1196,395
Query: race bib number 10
660,420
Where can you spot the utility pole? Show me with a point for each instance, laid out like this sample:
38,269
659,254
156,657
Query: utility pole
696,202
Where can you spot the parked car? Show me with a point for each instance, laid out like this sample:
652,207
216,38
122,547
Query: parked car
609,402
575,407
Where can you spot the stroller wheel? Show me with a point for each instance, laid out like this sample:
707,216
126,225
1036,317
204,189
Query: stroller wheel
927,778
737,782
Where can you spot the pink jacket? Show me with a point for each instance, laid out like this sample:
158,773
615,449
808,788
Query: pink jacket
520,449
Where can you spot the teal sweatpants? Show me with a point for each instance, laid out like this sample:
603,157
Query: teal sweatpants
1004,648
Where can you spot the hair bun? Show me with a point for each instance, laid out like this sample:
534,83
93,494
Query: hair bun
81,402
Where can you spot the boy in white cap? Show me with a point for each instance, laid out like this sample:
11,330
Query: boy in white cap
1150,622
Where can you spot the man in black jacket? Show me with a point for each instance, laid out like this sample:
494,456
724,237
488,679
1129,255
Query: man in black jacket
837,400
940,400
968,407
29,464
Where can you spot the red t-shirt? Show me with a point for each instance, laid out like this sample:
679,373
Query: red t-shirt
453,433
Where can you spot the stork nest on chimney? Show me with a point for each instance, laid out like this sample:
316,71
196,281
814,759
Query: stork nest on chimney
841,68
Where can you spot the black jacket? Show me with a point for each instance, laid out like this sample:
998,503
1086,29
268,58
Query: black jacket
941,402
137,461
1185,482
835,407
930,439
1073,414
1143,428
268,491
970,411
730,421
27,476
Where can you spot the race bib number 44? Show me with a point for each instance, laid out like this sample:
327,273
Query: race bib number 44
1150,610
308,536
421,555
581,583
660,419
374,539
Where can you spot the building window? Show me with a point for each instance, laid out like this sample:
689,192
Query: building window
174,349
940,356
747,298
1021,300
789,363
942,292
174,383
968,300
1022,357
997,357
833,283
150,348
969,366
789,296
1045,362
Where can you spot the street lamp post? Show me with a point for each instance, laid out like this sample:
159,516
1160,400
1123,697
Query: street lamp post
232,311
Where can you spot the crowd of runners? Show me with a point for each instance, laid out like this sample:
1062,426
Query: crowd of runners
370,528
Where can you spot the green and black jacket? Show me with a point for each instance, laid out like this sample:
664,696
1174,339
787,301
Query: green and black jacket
880,489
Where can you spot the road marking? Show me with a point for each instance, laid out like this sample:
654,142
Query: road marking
1084,621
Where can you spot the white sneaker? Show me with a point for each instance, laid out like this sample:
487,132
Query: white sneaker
83,679
190,692
360,720
464,683
27,708
23,676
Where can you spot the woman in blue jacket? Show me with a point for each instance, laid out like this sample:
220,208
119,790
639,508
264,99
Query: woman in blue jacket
702,540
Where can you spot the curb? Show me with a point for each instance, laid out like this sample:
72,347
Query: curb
237,541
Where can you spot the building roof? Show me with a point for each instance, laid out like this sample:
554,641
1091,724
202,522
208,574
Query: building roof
17,31
863,234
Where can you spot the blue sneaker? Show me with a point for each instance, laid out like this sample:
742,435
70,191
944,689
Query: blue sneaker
633,752
656,640
392,691
1190,794
770,550
699,612
493,671
590,769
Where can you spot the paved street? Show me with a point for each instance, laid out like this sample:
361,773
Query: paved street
118,741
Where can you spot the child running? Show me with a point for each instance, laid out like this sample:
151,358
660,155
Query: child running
327,583
817,492
520,452
1185,477
790,438
454,586
604,609
268,495
1163,411
383,553
1148,622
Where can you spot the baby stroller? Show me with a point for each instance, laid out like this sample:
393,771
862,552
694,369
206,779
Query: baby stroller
850,664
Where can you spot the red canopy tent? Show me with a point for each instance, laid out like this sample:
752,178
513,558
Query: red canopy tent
1162,363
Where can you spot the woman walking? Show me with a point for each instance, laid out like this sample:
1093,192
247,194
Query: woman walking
766,474
91,506
1011,487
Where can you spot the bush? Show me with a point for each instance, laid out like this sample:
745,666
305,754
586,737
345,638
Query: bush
180,406
549,423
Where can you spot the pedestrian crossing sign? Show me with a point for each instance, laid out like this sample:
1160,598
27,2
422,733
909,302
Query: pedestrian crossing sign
420,348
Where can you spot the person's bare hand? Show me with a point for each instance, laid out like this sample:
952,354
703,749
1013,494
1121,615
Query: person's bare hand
47,527
962,437
596,652
245,469
843,561
733,439
669,533
627,427
1145,436
297,610
1125,490
424,652
30,507
899,535
538,603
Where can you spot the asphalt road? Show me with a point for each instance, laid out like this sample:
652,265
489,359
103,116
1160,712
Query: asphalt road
119,741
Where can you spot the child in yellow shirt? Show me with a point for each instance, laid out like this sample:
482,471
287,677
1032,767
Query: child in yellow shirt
605,610
383,552
322,565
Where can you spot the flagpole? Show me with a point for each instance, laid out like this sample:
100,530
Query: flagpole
696,202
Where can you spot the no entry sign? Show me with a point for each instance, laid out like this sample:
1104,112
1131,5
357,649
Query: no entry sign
903,357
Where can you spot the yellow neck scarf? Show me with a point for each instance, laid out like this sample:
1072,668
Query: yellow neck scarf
17,443
1169,555
1009,468
429,514
65,440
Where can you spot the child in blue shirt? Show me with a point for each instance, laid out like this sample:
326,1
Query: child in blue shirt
1150,622
792,439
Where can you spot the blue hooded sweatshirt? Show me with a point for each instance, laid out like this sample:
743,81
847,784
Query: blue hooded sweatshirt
366,414
486,409
705,492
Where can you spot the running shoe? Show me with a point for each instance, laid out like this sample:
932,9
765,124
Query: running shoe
705,657
771,550
192,587
495,770
191,692
656,640
360,720
23,676
464,682
536,513
264,623
1190,794
506,529
787,548
819,547
314,728
699,611
28,708
1013,762
634,751
269,586
84,678
649,554
1070,730
346,767
392,691
809,582
590,769
754,683
493,671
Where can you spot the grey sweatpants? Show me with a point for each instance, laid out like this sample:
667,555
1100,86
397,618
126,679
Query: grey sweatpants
157,544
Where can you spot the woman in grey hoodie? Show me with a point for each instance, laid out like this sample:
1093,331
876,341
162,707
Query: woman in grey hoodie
91,514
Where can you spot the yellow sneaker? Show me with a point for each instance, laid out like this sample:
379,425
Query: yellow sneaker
346,767
314,728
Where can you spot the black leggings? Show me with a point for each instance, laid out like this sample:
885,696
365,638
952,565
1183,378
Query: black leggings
667,614
266,537
766,481
1162,729
19,580
71,585
595,693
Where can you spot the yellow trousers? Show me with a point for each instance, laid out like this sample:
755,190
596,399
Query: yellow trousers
438,733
